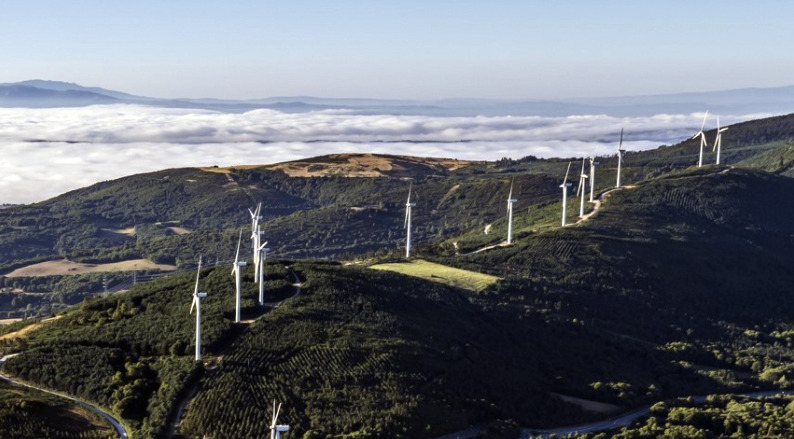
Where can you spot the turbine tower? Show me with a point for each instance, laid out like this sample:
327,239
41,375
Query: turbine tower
702,136
620,156
236,273
407,225
564,187
510,201
581,188
275,429
262,257
718,140
197,296
592,176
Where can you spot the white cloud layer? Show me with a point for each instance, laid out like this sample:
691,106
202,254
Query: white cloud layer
46,152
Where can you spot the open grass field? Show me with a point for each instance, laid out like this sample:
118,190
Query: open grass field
65,267
27,329
456,277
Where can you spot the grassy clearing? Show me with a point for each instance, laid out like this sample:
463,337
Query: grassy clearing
27,329
469,280
64,267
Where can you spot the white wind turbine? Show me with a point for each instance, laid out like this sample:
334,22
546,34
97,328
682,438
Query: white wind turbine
620,156
256,236
510,201
592,175
407,225
702,136
564,187
581,188
197,296
275,429
236,274
718,140
262,257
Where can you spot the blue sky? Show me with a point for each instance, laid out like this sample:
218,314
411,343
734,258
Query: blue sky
399,49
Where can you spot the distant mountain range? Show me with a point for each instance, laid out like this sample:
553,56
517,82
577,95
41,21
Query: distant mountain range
777,100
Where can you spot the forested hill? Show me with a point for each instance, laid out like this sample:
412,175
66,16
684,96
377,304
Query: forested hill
675,286
339,206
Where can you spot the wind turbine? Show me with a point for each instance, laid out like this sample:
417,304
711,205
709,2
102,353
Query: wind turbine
261,274
702,136
407,225
592,176
718,140
510,201
197,296
236,274
564,187
620,156
582,181
275,429
256,236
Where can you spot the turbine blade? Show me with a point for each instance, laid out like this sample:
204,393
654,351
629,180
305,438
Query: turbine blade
620,145
278,411
237,255
510,195
407,213
566,173
703,125
193,304
198,273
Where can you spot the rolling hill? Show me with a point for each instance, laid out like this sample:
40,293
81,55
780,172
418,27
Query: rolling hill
599,311
328,207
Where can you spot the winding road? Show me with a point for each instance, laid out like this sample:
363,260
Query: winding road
627,419
623,420
122,432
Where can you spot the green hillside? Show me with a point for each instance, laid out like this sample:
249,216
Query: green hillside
340,206
664,292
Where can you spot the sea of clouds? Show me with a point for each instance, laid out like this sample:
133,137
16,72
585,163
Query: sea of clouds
46,152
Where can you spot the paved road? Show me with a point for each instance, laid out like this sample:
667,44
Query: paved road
113,421
297,286
625,419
